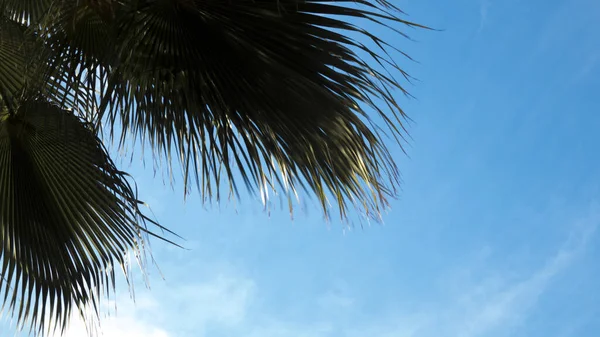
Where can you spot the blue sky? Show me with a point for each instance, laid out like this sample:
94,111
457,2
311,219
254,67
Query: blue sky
494,233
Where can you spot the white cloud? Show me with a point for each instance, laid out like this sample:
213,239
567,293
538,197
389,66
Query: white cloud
276,328
223,301
336,301
587,68
167,311
123,325
230,303
484,6
496,305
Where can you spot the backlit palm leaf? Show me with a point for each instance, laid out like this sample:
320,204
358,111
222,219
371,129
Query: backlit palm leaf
67,215
274,88
289,93
13,61
25,10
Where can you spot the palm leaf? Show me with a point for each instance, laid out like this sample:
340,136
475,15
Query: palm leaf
282,94
13,61
67,215
274,88
25,11
26,69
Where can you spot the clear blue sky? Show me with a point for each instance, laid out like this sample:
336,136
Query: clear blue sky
494,233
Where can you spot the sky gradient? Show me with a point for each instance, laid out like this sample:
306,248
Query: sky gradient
494,233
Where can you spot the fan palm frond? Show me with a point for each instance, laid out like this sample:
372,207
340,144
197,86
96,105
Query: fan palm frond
67,215
25,69
280,94
14,52
274,88
25,11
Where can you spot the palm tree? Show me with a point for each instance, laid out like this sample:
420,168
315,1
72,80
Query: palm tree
278,94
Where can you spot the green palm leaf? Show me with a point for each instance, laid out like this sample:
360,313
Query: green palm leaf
26,69
67,215
282,94
273,88
25,10
13,61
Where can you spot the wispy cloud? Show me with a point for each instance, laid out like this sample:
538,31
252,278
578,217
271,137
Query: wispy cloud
587,68
484,6
556,33
495,305
127,324
231,304
169,311
490,306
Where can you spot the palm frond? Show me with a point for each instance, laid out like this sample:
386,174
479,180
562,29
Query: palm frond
14,52
67,216
282,94
274,88
25,11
